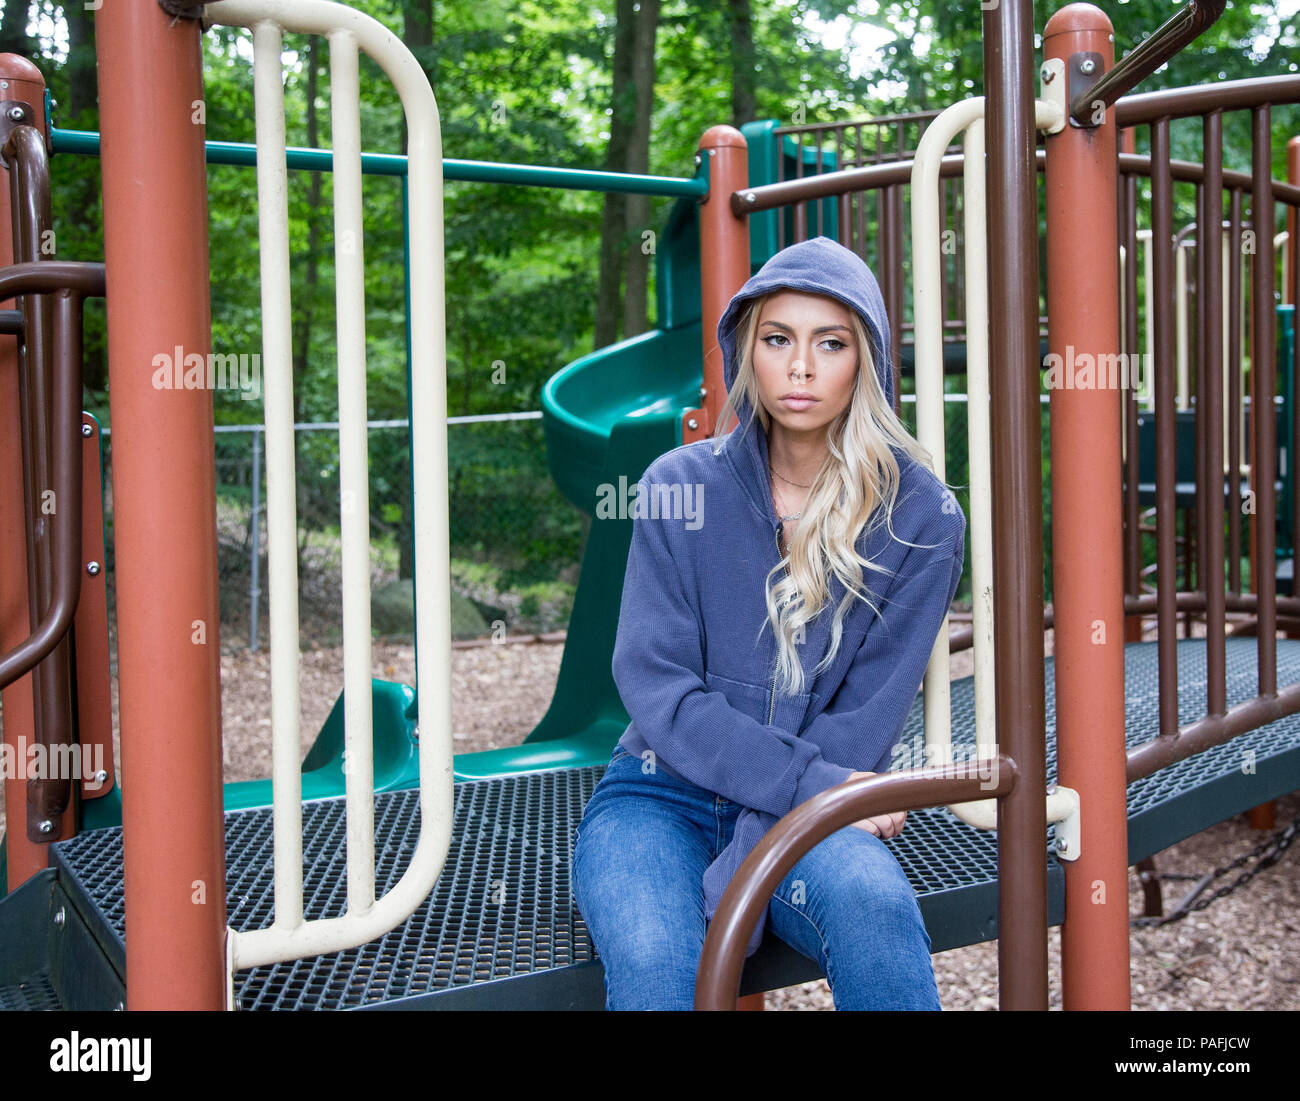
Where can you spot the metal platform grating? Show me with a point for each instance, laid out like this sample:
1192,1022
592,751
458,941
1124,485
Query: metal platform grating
35,993
502,907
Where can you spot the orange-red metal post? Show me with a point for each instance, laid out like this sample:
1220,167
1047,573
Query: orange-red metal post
724,264
156,251
1087,531
20,82
724,267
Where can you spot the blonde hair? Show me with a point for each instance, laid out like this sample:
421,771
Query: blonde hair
855,489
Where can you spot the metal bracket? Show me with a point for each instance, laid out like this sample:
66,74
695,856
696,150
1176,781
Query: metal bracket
14,113
1052,96
1085,68
1069,827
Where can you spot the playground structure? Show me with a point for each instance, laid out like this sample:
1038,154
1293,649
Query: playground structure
435,936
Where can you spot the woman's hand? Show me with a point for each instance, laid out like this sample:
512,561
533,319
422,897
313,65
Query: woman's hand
882,825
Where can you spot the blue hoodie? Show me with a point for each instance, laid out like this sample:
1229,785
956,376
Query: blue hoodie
690,668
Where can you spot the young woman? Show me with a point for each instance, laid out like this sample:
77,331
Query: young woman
785,585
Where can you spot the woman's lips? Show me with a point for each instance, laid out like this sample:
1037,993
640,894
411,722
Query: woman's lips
798,404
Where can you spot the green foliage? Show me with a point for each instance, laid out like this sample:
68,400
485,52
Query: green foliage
529,82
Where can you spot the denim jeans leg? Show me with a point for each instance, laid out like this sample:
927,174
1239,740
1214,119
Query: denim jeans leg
638,867
848,905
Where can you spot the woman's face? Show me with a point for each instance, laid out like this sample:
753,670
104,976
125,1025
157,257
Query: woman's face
804,344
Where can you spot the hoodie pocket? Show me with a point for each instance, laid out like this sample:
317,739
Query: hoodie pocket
748,699
755,700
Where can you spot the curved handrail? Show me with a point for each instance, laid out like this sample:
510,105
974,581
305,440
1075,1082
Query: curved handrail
66,280
350,33
717,983
1144,59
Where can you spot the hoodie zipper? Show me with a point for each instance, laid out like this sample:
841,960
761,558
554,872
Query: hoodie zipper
771,711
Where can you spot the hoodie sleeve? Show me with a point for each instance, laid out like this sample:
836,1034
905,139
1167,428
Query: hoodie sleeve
864,720
658,667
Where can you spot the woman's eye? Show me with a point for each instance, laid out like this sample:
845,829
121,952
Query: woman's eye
838,344
773,336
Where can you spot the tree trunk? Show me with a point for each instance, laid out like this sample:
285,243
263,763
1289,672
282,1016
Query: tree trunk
417,33
13,30
613,223
307,295
638,161
744,100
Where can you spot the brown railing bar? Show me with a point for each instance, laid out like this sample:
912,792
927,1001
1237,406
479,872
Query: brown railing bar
1127,186
11,323
62,279
1210,731
1195,337
1017,496
1190,172
1163,301
881,123
1147,56
1210,295
1263,418
717,984
29,188
1223,95
1235,262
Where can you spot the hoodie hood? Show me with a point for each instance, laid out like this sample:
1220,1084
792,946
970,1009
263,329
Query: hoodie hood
818,266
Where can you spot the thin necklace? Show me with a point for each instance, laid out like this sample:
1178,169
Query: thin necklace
785,479
785,519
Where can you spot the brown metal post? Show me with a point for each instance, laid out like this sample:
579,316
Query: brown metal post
156,249
1087,527
26,856
724,265
1017,499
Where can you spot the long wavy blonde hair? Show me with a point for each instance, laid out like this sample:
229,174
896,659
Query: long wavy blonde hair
855,490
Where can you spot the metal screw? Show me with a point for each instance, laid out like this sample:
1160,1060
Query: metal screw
1046,75
101,777
45,826
86,430
692,424
59,916
1086,66
1062,845
92,568
16,114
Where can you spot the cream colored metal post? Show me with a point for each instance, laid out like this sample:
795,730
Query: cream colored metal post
349,33
1062,805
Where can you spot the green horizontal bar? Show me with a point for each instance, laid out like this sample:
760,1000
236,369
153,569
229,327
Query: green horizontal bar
86,142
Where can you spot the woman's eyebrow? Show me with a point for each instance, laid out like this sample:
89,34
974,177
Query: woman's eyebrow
823,329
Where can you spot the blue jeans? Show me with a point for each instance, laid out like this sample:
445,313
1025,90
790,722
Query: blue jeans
639,856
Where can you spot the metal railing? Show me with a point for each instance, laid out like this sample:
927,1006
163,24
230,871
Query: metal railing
350,33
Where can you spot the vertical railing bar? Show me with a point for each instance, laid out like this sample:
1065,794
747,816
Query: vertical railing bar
1133,546
1234,367
860,205
979,445
1210,247
1162,246
281,474
349,282
1201,466
1264,415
